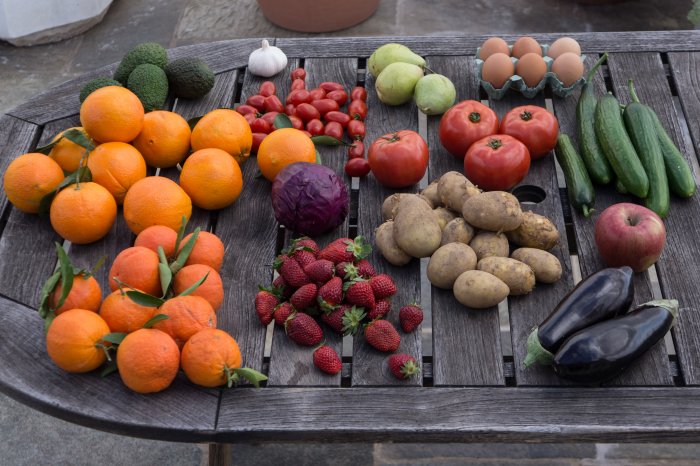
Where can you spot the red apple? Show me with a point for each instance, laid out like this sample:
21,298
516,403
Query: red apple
629,234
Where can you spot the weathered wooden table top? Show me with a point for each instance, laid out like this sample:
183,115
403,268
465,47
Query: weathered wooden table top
469,391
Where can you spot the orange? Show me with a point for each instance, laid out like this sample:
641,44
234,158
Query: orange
156,200
136,267
112,114
158,235
283,147
212,289
116,166
208,250
67,153
83,213
164,140
30,177
211,178
187,315
74,338
208,357
226,130
124,315
148,360
84,294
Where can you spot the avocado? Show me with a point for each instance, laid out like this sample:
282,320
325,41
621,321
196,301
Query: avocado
189,77
147,52
95,84
150,84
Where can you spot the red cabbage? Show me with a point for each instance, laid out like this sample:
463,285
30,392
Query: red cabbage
309,199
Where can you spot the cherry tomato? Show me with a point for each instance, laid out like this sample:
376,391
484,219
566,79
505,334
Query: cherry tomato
299,96
273,104
357,110
330,86
464,123
257,101
497,162
325,105
356,130
359,93
340,117
399,159
357,168
245,109
298,73
267,88
307,112
315,127
317,94
298,84
260,126
334,130
307,133
296,122
533,126
250,117
339,96
257,139
356,150
290,109
270,117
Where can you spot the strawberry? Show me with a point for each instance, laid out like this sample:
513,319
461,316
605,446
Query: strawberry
265,303
331,293
346,270
303,329
359,292
346,250
285,290
306,243
365,269
410,317
381,309
382,335
326,359
382,286
320,271
303,257
282,313
403,366
292,272
344,319
304,297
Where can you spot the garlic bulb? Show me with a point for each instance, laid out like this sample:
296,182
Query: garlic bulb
267,61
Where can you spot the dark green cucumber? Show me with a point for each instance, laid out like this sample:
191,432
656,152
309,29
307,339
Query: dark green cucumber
596,163
619,187
678,172
640,127
578,183
617,147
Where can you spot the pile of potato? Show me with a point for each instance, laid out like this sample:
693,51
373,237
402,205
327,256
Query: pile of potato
467,235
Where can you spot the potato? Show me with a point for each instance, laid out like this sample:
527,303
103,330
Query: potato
457,231
416,230
488,243
431,193
479,290
493,211
518,276
384,240
546,266
536,231
389,204
454,188
444,216
449,262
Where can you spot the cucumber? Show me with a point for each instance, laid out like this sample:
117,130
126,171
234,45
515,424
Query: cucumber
596,163
578,183
619,187
642,131
678,172
617,147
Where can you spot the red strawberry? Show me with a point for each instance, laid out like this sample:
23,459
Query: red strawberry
382,335
330,294
382,286
344,319
346,270
284,288
359,292
304,297
403,366
306,243
293,273
303,329
326,359
303,257
346,250
282,312
381,309
265,303
410,317
365,269
320,271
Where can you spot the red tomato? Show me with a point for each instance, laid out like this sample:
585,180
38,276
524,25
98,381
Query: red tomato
339,96
315,127
260,126
356,150
533,126
267,88
298,84
357,110
317,94
250,117
257,139
359,93
296,122
290,109
330,86
257,101
245,109
325,105
273,104
307,133
356,130
299,96
307,112
340,117
298,73
464,123
357,168
497,162
398,160
270,117
334,130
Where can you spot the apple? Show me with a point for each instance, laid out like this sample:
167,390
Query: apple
629,234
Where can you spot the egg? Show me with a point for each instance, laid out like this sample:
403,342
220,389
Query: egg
497,69
493,45
526,45
563,45
532,68
568,67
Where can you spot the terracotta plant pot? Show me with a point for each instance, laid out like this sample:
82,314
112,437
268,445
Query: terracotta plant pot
317,15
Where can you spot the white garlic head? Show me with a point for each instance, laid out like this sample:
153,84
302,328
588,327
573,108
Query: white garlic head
267,61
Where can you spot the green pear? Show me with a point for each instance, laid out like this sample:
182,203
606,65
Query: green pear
395,84
392,53
434,94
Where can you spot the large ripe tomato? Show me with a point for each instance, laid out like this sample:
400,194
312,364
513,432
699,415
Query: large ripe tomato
399,159
533,126
464,123
497,162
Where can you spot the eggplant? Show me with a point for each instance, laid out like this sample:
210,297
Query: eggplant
602,295
602,351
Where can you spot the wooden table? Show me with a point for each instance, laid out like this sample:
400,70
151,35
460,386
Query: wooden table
469,391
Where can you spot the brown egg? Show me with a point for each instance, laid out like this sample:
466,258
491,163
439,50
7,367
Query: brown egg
497,69
563,45
531,67
493,45
568,67
526,45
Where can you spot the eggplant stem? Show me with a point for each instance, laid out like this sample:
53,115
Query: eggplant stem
536,353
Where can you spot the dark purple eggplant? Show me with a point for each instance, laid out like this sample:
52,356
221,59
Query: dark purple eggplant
602,351
602,295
